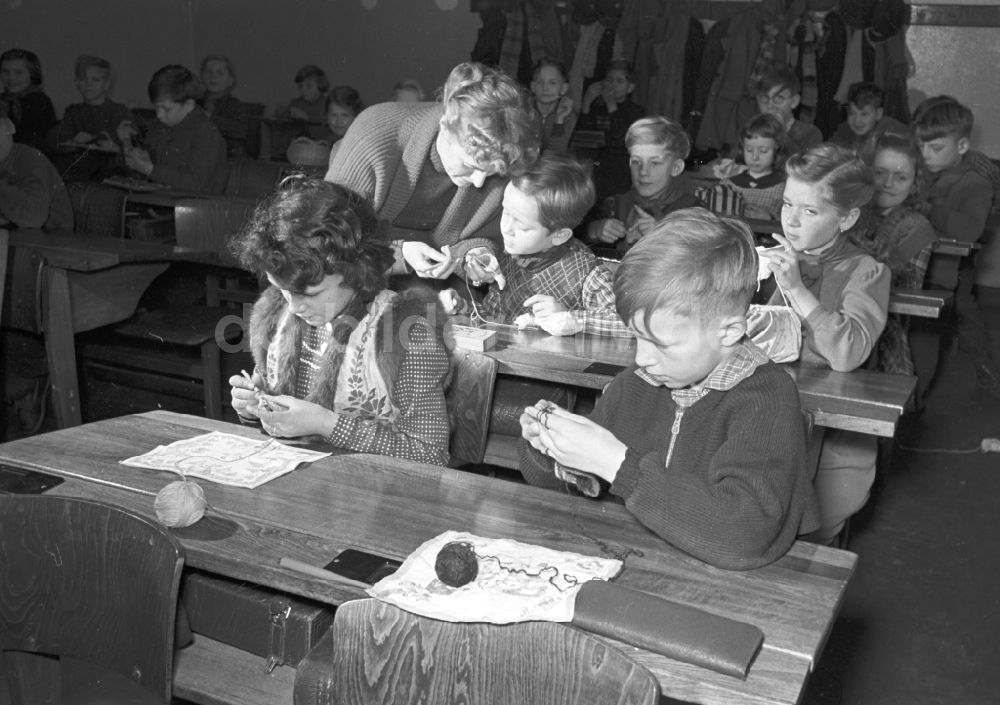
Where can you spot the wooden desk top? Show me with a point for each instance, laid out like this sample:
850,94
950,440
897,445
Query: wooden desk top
863,401
390,507
80,252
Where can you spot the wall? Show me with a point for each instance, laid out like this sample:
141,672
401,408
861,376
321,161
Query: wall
955,47
268,40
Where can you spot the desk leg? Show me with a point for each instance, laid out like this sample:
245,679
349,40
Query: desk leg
60,348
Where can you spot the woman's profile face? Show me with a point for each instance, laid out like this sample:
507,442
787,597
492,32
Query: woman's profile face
458,164
320,303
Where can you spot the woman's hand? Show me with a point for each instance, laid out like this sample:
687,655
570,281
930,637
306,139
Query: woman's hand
572,440
608,231
289,417
784,262
428,262
83,137
243,395
483,267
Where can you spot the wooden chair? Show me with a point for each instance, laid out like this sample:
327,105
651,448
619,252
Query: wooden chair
87,581
470,397
185,342
376,653
253,178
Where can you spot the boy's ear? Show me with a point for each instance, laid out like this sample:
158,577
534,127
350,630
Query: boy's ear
677,168
558,237
796,99
964,145
731,330
879,114
564,90
848,221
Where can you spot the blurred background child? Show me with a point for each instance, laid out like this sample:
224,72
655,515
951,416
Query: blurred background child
408,91
903,239
841,295
228,113
310,105
778,93
342,105
549,87
28,108
607,107
762,183
866,119
96,119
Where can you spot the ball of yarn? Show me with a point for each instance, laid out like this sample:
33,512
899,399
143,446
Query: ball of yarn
456,564
180,504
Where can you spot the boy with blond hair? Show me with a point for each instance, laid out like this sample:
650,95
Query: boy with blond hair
702,437
657,147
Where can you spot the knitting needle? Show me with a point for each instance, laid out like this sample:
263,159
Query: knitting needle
313,571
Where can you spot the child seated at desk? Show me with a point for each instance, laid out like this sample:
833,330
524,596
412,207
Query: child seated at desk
28,107
184,149
841,294
95,120
337,354
229,114
778,94
544,276
657,148
866,119
702,438
310,105
762,182
903,240
32,194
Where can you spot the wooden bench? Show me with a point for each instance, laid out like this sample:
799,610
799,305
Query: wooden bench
925,303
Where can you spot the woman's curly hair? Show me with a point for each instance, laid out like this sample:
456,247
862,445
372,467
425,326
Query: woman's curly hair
309,229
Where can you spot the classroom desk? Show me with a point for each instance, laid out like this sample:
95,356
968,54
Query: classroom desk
81,283
391,506
863,401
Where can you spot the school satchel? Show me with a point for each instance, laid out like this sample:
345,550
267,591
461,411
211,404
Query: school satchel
267,623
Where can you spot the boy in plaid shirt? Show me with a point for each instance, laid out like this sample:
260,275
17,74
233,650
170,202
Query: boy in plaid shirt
544,276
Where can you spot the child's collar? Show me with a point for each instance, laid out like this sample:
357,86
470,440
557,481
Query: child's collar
538,261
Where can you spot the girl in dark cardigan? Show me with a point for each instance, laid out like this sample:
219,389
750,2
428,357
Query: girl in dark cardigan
338,355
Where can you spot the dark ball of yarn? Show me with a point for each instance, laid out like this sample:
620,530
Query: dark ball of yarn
456,564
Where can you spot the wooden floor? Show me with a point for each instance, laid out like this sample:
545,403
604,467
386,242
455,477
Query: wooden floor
920,621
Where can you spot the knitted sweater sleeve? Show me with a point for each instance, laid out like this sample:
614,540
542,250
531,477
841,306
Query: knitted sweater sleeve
741,504
421,430
964,212
368,155
197,169
844,332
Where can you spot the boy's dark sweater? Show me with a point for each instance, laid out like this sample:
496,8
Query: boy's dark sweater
737,491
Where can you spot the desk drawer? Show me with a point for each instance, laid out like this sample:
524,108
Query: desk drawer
280,628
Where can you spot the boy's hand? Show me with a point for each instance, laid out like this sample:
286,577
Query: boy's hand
608,95
450,301
572,440
542,305
482,267
591,94
139,160
609,231
298,113
126,131
292,418
752,211
564,109
551,316
784,262
104,141
83,137
428,262
643,223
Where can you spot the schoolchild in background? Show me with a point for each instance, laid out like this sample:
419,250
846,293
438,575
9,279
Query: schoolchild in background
228,113
762,183
28,107
778,93
549,87
866,119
